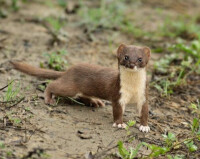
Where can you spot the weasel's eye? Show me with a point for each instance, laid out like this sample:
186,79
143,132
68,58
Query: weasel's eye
140,59
126,57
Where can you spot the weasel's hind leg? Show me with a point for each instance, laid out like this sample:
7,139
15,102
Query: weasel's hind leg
90,101
48,97
59,88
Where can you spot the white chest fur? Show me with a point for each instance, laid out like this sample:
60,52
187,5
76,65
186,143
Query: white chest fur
133,85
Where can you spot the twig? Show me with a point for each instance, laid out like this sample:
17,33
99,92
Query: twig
75,101
3,39
22,129
11,101
16,103
175,145
179,143
54,34
6,85
102,153
37,129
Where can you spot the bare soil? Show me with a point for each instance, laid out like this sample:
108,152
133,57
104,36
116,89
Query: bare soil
72,130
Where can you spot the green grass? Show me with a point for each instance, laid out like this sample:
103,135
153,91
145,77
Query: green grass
182,26
11,5
108,15
62,3
56,60
170,142
172,70
12,91
55,23
5,151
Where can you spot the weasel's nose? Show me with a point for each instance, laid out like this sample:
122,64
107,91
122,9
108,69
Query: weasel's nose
132,65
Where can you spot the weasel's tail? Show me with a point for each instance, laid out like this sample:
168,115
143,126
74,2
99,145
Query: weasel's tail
34,71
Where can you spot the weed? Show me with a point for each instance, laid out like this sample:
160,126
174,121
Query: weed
176,157
191,53
171,142
56,60
169,139
128,154
5,152
2,145
130,123
109,15
128,27
195,127
7,6
172,70
13,119
105,15
12,92
62,3
190,145
180,27
15,5
55,23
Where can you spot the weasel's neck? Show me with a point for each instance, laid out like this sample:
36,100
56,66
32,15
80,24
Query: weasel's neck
132,87
131,77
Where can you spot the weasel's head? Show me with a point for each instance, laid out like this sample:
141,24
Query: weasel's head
132,57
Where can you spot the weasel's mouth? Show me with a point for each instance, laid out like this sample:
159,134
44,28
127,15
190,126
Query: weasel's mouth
135,68
132,67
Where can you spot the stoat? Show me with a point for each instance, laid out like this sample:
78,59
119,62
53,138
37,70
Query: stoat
127,84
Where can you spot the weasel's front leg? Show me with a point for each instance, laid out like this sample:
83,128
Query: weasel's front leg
118,115
144,118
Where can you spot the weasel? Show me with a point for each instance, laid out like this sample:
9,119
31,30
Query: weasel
127,84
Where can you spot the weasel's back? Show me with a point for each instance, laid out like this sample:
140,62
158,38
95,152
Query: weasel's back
92,80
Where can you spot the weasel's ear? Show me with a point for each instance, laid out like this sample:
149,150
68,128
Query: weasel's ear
120,49
147,51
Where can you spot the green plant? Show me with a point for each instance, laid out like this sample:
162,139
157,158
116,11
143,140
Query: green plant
191,53
128,154
2,145
181,26
5,152
163,64
171,142
195,127
172,70
156,150
55,23
56,60
110,15
105,15
130,123
13,119
170,138
175,157
15,5
190,145
7,6
12,91
62,3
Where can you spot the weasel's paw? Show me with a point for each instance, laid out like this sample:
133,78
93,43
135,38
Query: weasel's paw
122,126
97,103
50,101
144,128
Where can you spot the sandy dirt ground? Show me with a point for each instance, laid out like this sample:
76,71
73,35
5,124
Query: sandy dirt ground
70,130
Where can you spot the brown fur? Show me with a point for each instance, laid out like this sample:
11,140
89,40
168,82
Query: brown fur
34,71
90,81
